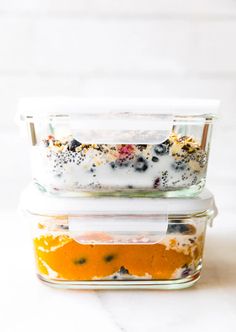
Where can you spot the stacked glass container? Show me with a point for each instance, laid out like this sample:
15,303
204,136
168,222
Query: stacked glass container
117,198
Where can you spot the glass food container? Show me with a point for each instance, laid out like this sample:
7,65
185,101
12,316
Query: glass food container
137,147
101,242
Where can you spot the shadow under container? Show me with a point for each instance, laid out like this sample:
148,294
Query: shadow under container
124,147
99,243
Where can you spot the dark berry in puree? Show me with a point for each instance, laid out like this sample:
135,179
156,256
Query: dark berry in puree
73,145
140,165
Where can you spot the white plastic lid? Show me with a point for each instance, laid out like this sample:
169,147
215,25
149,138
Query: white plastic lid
30,107
116,121
36,202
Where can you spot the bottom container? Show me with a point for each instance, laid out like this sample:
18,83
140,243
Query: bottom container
118,242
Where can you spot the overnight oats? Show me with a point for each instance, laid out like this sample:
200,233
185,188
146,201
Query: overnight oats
143,149
178,162
139,244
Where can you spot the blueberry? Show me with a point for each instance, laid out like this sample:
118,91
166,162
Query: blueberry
156,183
179,165
123,270
80,261
109,258
113,165
161,149
186,272
178,228
155,159
140,165
73,145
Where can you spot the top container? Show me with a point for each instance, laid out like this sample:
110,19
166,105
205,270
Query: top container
138,147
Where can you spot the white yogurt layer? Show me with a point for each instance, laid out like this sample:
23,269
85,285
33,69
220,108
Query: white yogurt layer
176,164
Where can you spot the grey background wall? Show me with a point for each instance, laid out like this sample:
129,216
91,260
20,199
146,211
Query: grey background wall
166,48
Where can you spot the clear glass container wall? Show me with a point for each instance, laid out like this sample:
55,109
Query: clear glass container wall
145,152
119,258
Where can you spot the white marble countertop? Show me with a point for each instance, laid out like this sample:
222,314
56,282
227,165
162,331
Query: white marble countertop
28,305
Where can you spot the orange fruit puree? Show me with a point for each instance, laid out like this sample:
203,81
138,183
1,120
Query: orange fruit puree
71,260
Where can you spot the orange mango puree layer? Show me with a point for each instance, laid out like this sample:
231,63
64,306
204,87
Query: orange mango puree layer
73,261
